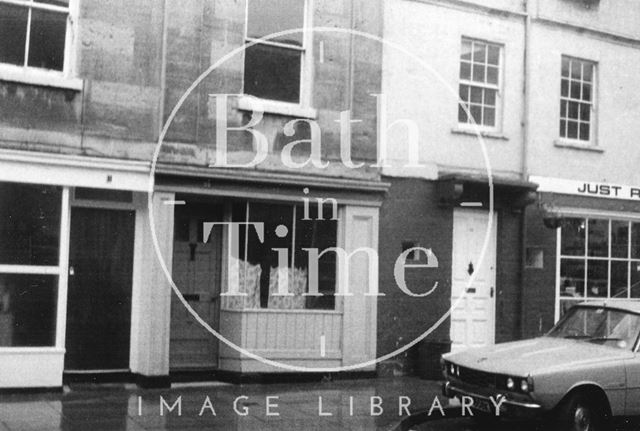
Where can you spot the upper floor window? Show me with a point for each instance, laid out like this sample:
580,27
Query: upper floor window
479,83
274,68
33,33
576,99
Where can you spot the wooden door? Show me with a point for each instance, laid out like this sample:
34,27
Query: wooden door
473,319
196,272
98,330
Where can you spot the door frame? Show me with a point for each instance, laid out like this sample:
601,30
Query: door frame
105,205
488,260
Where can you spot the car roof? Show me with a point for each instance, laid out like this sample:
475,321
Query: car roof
632,306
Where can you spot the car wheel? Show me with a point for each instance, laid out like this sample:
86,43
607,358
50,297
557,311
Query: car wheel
582,412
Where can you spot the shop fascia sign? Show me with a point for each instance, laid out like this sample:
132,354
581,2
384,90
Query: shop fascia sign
586,188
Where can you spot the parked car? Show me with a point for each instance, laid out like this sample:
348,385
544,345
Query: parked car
582,373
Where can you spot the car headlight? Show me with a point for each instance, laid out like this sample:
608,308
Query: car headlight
524,386
452,370
511,384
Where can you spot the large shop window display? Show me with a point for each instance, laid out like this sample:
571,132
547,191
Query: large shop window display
255,263
599,259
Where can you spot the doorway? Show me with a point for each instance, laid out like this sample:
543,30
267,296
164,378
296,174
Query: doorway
473,318
197,274
99,294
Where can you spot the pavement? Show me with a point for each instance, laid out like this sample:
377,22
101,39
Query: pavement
362,404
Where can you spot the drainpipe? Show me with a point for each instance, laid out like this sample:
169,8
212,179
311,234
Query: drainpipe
526,94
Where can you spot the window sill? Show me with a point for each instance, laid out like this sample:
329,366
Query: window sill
41,78
484,133
577,146
249,103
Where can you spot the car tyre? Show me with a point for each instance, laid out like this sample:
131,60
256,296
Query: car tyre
582,411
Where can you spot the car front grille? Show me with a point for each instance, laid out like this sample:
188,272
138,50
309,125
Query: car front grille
477,378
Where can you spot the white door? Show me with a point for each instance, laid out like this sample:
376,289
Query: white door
473,313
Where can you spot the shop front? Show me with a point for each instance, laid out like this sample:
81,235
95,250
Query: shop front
243,260
583,244
74,271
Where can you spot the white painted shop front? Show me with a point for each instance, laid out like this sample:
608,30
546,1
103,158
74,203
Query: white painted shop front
84,292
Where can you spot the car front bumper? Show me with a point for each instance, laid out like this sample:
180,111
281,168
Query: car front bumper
508,408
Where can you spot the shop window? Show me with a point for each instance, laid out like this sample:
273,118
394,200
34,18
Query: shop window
479,83
577,99
285,228
273,68
29,224
34,33
30,221
599,258
28,310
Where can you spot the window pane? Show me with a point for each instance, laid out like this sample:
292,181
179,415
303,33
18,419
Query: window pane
586,92
587,73
462,114
575,90
489,117
28,310
48,34
492,75
572,278
464,93
564,88
563,128
29,224
619,271
490,97
573,237
479,52
476,95
585,112
565,67
576,69
573,110
319,235
476,113
598,238
478,72
494,55
465,70
466,50
635,240
272,73
584,131
572,129
619,238
272,16
597,275
13,33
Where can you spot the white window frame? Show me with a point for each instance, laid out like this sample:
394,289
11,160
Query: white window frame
62,272
49,78
593,122
303,109
610,217
497,127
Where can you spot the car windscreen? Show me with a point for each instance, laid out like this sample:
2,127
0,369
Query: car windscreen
599,325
